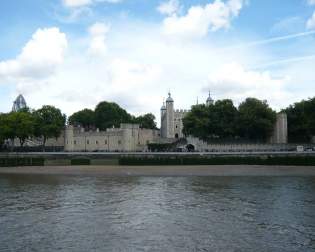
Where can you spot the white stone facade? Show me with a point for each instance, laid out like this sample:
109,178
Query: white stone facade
171,120
129,137
280,132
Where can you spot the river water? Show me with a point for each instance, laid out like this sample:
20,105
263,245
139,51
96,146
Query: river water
75,213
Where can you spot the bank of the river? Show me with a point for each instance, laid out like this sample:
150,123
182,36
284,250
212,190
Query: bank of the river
158,159
215,170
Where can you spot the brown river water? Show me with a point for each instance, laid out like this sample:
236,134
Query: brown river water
96,213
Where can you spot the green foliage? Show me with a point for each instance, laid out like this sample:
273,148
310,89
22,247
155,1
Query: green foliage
301,120
6,128
109,114
7,162
222,160
16,125
85,118
22,123
255,119
80,161
146,121
197,122
49,122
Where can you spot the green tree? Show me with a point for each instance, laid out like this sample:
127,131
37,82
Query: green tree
21,125
146,121
85,118
108,114
49,122
255,119
213,121
223,115
197,121
301,120
7,127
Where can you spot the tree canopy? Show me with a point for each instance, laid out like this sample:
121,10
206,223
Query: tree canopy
146,121
301,120
107,115
253,120
49,122
84,118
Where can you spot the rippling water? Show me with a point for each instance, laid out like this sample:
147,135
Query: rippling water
73,213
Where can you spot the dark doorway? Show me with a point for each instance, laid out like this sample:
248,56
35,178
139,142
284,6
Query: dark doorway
190,148
176,135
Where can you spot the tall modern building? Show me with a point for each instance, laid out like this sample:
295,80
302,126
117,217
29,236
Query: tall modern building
19,103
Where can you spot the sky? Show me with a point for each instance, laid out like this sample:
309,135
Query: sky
75,53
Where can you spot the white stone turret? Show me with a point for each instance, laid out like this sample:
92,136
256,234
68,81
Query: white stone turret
209,100
69,140
163,121
170,117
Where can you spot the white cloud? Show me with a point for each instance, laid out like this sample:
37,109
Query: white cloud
200,19
141,65
169,8
234,81
39,57
310,24
98,32
80,3
76,3
311,2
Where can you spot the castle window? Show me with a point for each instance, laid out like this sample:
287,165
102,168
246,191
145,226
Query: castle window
105,141
176,126
96,142
75,142
119,142
87,141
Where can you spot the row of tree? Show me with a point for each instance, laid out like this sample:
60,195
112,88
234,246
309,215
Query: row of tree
252,120
107,115
46,122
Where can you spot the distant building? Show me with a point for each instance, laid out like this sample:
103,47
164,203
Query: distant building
172,120
280,132
19,103
128,137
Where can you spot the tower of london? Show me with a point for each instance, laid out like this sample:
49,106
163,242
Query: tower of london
172,119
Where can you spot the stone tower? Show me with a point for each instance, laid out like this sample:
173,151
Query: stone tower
280,132
209,100
163,121
169,117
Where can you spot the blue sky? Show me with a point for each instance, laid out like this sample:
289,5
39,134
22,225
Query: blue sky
75,53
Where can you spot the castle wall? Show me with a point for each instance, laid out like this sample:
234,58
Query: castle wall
129,137
178,122
280,132
163,124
